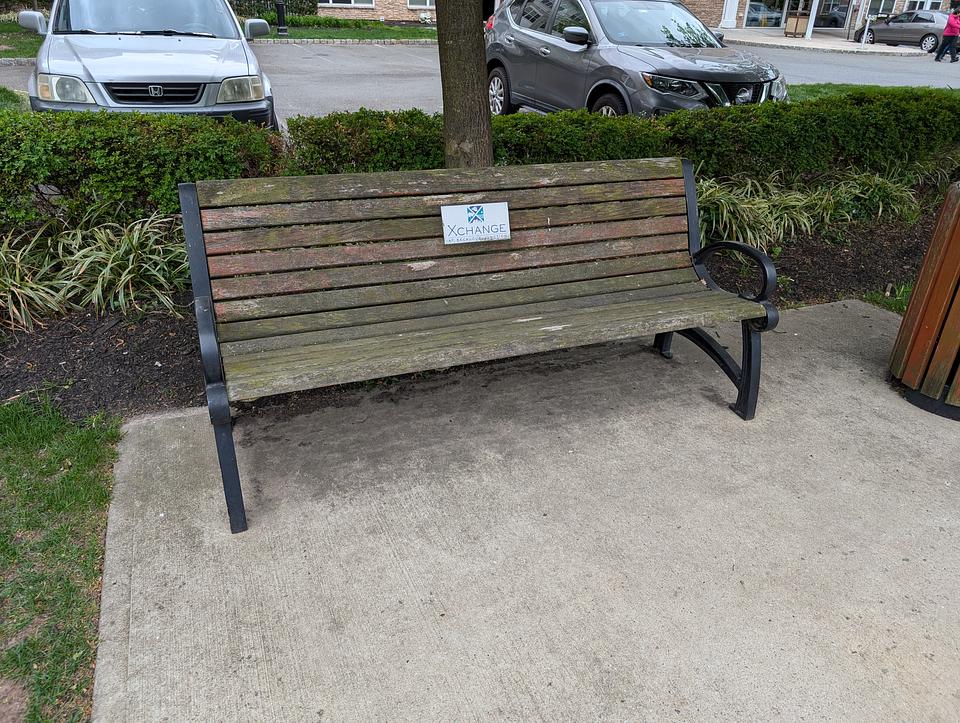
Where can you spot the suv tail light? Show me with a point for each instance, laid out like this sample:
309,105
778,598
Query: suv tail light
490,23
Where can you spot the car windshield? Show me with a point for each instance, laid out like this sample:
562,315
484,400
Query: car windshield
652,22
206,18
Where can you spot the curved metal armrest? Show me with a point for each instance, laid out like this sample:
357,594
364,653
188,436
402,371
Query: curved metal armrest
758,257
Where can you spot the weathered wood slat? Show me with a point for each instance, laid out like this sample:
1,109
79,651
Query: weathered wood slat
328,256
332,278
945,353
378,321
318,301
300,322
250,191
583,318
285,237
288,370
947,223
292,214
937,303
953,396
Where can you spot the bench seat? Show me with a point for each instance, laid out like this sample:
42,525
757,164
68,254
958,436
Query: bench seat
308,282
275,365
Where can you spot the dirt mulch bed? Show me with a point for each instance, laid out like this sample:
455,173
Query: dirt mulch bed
122,365
131,365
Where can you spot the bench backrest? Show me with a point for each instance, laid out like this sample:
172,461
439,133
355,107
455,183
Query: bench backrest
305,254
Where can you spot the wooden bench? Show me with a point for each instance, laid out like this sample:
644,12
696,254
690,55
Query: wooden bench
307,282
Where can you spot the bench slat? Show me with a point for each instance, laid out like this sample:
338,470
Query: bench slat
329,256
291,214
331,278
251,191
287,370
663,283
282,237
317,301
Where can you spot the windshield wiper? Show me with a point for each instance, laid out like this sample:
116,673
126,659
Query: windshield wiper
81,31
176,32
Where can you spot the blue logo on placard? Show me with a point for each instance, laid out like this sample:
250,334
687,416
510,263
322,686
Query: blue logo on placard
474,214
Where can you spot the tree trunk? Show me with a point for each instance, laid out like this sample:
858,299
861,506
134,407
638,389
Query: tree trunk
467,137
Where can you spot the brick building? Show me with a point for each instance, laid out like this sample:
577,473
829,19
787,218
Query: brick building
389,10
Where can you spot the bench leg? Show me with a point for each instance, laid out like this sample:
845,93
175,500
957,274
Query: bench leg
748,386
227,454
662,343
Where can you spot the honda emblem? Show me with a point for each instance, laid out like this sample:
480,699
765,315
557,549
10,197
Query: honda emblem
155,91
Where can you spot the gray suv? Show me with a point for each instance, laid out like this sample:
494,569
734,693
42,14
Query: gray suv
616,57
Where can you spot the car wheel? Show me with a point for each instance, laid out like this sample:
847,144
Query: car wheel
870,37
498,90
929,42
610,104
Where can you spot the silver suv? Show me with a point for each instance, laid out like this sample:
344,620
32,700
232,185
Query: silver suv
616,57
174,56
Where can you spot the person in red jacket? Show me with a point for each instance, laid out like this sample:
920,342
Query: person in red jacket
950,33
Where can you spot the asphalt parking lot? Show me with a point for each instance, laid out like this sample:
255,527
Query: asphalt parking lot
317,79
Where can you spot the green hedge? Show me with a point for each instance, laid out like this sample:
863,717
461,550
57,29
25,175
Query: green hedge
319,21
258,8
65,164
131,163
878,131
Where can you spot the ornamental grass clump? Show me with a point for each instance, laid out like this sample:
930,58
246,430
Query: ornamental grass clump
139,266
30,285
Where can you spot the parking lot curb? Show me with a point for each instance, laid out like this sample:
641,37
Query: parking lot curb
18,61
339,41
850,51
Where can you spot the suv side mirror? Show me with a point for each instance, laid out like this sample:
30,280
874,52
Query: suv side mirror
718,34
32,20
576,36
255,28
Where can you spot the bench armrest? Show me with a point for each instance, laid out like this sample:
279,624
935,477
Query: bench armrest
758,257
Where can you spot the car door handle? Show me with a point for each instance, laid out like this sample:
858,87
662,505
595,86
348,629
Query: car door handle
508,38
544,52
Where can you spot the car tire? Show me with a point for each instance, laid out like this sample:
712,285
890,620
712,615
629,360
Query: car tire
498,91
609,104
870,38
929,42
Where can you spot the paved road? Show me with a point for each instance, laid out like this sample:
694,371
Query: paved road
318,79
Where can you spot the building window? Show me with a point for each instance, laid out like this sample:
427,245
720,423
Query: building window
351,3
421,4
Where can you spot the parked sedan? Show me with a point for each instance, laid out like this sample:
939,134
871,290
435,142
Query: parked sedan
173,56
616,57
916,27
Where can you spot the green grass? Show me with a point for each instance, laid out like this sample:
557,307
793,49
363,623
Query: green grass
16,42
54,490
897,301
813,91
378,32
12,100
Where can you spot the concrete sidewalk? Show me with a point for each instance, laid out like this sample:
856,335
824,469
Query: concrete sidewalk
581,535
823,40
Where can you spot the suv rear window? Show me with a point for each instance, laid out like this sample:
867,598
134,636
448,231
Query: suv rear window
535,14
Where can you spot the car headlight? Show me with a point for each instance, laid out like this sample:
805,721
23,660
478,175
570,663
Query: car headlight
674,86
240,90
778,88
62,88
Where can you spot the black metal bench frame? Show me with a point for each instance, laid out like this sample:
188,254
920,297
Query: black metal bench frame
745,375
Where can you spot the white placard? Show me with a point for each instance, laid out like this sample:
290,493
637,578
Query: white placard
475,222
